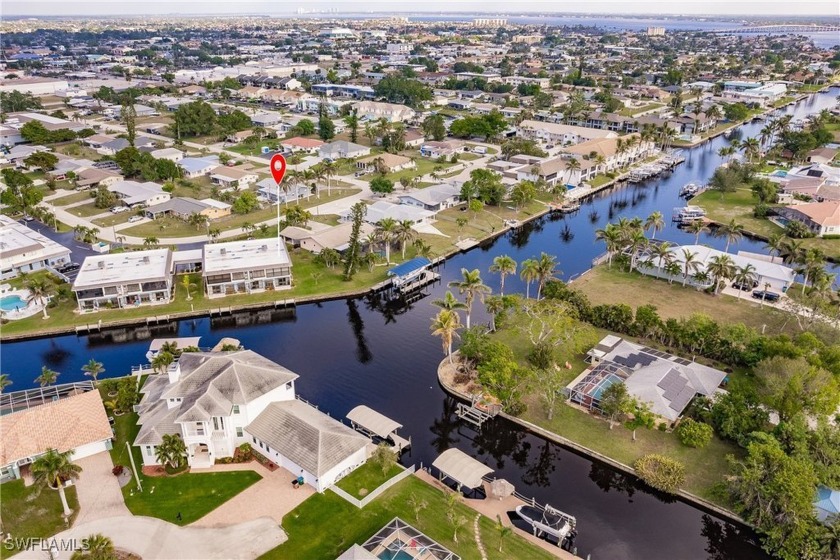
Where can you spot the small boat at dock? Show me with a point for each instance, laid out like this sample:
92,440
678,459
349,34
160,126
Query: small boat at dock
688,214
690,190
549,521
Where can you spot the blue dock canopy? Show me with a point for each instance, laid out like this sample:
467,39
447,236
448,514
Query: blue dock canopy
409,266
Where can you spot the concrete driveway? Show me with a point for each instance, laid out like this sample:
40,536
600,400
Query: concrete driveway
272,497
100,496
154,539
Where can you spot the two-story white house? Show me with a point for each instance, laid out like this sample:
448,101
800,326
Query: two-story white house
217,401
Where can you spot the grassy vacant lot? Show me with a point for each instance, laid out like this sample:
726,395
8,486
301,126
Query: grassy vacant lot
630,112
32,511
738,206
424,166
325,525
114,219
366,479
71,198
191,495
603,285
87,210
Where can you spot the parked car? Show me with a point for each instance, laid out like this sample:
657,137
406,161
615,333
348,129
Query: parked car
119,209
133,219
766,295
744,287
69,267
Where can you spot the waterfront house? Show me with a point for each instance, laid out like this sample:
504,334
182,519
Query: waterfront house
608,148
245,267
821,218
336,237
126,279
217,401
768,270
382,209
76,423
665,382
24,250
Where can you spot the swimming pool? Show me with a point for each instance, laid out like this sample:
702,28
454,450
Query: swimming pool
12,303
779,173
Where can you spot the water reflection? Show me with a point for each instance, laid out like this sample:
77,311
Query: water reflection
539,468
445,427
363,353
606,478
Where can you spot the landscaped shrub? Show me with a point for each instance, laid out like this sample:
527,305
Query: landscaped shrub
660,472
694,434
117,470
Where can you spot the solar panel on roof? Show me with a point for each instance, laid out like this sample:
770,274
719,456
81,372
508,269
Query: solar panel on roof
682,361
682,399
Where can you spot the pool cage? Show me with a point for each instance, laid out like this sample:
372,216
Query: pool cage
588,391
400,541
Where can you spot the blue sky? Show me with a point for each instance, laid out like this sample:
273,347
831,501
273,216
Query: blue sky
656,7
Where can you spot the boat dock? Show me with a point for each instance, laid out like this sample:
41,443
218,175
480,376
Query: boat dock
663,164
477,413
367,421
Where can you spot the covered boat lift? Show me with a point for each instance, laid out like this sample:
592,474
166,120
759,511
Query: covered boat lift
411,275
463,469
371,423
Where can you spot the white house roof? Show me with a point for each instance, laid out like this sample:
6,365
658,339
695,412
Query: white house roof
433,195
196,165
118,268
244,255
308,437
462,468
382,209
763,268
133,192
20,245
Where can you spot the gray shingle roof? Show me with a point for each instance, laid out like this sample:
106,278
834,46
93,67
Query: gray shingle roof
305,435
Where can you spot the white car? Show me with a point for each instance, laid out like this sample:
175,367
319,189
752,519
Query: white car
133,219
119,209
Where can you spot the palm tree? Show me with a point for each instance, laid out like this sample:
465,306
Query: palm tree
151,241
494,306
829,538
572,165
611,235
449,302
503,529
53,469
811,262
99,547
162,361
445,325
720,268
47,377
171,451
188,285
661,254
471,287
774,243
672,269
745,276
40,290
790,250
751,147
423,249
404,234
697,227
733,232
385,231
4,381
503,265
635,243
93,369
529,273
328,169
655,222
546,268
690,264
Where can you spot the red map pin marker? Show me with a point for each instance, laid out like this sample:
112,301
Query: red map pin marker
278,167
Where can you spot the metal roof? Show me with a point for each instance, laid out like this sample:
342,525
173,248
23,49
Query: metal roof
461,468
373,421
409,266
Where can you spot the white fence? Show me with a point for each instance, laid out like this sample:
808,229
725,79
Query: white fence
376,493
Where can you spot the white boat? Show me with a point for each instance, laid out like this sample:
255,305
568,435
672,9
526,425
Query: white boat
548,521
688,214
689,190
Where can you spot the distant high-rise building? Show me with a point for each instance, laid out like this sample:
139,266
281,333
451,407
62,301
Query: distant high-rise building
489,22
655,31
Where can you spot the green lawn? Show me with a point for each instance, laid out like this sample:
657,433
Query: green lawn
604,285
32,511
628,112
113,219
325,525
71,198
424,166
87,210
175,227
738,206
191,495
366,479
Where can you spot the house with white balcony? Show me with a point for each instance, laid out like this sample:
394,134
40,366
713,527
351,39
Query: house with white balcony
217,401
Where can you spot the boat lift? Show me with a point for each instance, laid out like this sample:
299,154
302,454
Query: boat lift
477,413
373,424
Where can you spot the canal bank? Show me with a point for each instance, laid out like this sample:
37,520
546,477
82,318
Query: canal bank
444,375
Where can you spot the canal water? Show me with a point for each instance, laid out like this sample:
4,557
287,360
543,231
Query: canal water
359,351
